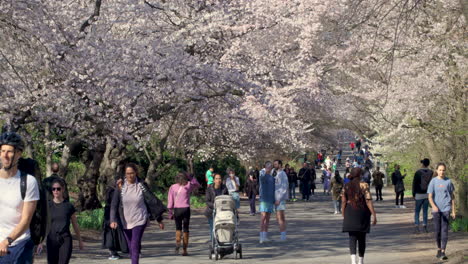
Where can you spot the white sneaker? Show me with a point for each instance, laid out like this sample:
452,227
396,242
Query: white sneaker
336,212
402,206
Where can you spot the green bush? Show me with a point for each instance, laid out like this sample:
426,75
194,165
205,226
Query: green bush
459,224
91,219
75,170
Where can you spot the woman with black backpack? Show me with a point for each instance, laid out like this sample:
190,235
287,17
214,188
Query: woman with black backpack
134,205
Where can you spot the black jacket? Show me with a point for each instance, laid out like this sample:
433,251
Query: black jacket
251,187
210,198
154,206
421,180
305,175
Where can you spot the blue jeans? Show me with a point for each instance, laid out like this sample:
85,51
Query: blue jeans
235,196
19,254
292,190
210,222
424,203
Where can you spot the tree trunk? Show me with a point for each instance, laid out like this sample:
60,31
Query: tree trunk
88,197
48,150
113,156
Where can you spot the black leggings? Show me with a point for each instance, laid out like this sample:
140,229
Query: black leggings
59,249
399,194
182,218
359,237
441,226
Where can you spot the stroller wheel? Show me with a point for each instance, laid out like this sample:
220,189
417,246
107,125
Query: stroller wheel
216,255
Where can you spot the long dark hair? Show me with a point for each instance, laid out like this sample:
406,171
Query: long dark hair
354,193
338,178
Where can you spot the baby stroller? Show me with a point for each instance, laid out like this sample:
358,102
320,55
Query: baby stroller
225,238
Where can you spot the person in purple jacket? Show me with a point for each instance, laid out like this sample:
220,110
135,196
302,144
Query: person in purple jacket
178,204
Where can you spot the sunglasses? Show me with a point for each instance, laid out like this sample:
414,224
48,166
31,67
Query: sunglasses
57,189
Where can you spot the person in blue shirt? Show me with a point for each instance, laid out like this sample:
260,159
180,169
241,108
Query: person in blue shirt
267,200
442,199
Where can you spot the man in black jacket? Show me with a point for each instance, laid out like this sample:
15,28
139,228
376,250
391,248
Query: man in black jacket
421,180
305,177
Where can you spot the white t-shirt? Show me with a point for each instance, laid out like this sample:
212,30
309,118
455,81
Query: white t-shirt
11,204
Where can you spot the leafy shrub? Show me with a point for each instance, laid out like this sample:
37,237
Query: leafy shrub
91,219
459,224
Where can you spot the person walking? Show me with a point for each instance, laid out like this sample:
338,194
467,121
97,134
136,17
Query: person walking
251,191
133,205
442,199
178,204
216,189
112,239
16,245
267,200
366,175
357,209
59,240
421,181
305,178
378,176
397,181
232,184
281,195
209,177
336,187
327,174
292,179
352,146
313,177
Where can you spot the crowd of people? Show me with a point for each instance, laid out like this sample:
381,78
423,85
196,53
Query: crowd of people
130,205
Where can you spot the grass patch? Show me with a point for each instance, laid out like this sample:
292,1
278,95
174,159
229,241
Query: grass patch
91,219
459,225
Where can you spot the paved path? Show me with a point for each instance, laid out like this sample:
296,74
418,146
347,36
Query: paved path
314,236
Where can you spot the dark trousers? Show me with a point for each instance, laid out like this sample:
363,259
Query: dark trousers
360,239
133,237
305,190
441,222
292,190
252,197
401,196
182,218
378,192
22,253
59,248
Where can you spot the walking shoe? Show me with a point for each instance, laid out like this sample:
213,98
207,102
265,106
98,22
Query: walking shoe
397,206
336,212
402,206
438,253
114,257
425,229
443,256
416,229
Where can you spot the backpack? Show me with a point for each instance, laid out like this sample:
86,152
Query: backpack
426,177
40,221
393,179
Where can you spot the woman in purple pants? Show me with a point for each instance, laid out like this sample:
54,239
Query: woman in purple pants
129,210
